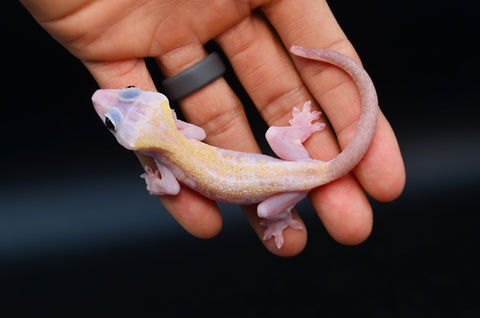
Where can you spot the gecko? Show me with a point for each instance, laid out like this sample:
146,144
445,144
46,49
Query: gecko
144,122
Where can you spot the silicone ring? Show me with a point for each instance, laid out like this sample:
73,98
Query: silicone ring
194,77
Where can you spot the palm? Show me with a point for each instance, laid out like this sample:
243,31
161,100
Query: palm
109,30
112,37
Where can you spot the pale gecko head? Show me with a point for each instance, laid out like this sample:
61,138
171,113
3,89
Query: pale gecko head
138,119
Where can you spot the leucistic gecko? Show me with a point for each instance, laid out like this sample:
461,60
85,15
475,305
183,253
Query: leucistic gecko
143,121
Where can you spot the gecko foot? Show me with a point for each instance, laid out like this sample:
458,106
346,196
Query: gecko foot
287,142
151,178
276,226
160,182
305,117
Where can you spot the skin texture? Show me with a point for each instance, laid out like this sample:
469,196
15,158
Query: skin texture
112,37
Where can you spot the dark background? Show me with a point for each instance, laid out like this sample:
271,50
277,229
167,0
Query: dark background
80,235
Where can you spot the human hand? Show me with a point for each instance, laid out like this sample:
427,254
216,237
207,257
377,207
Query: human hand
112,38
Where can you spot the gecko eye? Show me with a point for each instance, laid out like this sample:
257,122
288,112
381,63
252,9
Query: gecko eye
110,122
128,94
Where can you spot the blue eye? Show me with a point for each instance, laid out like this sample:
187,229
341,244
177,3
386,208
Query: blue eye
128,94
112,120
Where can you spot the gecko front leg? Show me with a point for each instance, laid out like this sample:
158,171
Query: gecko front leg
160,182
287,143
190,131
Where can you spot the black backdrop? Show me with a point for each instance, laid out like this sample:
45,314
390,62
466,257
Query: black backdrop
78,233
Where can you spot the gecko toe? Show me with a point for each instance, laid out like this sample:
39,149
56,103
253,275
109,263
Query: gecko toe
274,228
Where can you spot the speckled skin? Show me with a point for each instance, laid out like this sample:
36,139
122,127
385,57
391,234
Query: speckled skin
143,121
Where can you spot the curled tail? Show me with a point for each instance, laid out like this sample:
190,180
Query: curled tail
353,153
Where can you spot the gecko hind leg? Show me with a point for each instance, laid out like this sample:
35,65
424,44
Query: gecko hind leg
276,212
287,142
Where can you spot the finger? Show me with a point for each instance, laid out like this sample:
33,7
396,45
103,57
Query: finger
214,107
313,25
195,213
121,73
275,86
246,45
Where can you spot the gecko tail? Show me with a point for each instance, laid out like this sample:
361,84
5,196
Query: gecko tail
359,144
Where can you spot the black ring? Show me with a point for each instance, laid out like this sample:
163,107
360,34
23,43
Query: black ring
193,78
